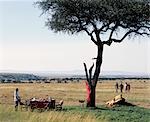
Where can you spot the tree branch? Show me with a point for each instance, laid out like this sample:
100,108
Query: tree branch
90,72
86,30
92,38
142,33
111,34
86,72
90,34
105,26
136,31
120,40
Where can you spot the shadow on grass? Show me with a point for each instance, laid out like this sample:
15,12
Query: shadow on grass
124,107
127,104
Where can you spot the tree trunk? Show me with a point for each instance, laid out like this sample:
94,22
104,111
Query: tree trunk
92,82
98,64
91,101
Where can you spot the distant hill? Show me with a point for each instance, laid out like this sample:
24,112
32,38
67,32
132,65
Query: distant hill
10,77
81,74
76,74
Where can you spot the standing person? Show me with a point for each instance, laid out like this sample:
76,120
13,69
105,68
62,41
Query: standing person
116,87
121,87
126,87
16,98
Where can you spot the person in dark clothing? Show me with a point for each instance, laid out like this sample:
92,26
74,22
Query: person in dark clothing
121,87
128,87
116,87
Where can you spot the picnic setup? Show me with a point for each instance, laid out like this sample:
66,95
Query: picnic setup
41,104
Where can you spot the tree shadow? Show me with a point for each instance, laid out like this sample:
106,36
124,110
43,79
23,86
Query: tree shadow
124,107
116,107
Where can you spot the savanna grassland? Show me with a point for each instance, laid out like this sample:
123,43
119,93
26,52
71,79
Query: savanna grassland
71,93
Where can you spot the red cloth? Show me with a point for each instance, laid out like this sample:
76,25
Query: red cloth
88,91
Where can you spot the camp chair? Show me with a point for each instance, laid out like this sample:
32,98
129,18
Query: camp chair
23,105
58,106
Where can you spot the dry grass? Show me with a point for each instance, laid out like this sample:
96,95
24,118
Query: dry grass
72,92
7,114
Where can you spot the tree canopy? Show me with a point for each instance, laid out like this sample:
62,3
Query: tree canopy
98,17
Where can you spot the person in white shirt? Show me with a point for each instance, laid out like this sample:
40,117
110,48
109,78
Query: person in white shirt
16,98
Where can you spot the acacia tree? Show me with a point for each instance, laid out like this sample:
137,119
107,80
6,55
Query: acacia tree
117,19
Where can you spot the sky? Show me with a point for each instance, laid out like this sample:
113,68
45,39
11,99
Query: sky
27,45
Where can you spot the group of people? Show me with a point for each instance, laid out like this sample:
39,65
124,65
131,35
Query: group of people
120,87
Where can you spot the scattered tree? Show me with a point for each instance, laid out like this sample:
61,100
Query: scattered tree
104,21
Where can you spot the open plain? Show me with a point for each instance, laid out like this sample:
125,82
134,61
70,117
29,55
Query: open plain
71,93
